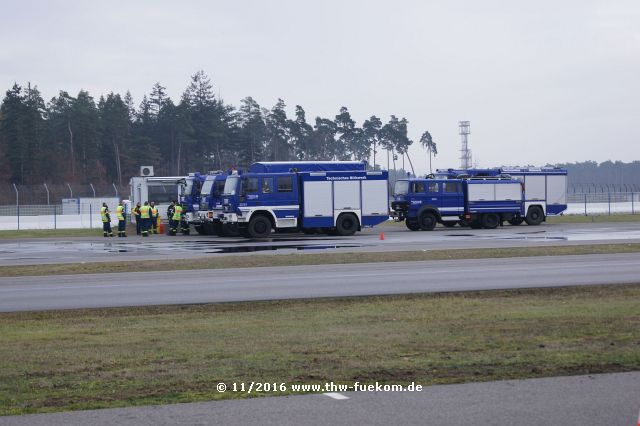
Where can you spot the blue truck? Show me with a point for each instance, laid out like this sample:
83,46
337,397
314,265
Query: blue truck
211,203
338,197
190,197
480,202
545,189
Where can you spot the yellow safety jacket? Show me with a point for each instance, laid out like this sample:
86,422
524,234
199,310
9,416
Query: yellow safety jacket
145,212
104,213
120,212
154,211
177,213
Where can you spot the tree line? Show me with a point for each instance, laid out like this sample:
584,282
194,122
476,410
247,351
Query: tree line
76,139
606,173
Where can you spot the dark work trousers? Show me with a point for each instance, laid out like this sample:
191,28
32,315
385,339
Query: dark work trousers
106,228
138,225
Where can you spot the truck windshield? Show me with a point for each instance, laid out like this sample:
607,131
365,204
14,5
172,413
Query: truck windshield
402,187
231,185
206,187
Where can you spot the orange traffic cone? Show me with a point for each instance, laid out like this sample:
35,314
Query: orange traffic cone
382,236
161,228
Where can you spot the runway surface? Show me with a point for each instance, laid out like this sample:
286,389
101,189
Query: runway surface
312,281
603,399
397,238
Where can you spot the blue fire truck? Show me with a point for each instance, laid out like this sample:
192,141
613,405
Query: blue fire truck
545,189
211,204
339,197
190,196
480,202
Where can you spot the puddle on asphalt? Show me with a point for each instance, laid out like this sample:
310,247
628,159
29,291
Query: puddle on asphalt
248,249
245,248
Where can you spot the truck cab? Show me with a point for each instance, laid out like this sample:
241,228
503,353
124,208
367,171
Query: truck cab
190,196
211,203
422,203
274,196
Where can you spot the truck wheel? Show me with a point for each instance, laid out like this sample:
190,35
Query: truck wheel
534,216
412,224
427,221
516,221
449,223
259,227
347,224
490,220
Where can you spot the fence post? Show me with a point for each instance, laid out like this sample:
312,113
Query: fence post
47,189
116,189
585,204
609,198
632,197
55,218
93,189
90,218
70,191
17,204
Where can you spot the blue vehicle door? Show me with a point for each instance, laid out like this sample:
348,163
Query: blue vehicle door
451,198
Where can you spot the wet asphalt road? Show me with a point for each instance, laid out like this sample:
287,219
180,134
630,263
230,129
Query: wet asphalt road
602,399
312,281
397,238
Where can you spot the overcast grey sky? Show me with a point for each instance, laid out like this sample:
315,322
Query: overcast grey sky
541,82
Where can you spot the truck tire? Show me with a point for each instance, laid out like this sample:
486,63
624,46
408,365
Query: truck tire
490,220
516,221
427,221
259,227
347,224
535,216
412,224
449,223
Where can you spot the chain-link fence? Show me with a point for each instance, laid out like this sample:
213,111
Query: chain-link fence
51,194
83,214
603,203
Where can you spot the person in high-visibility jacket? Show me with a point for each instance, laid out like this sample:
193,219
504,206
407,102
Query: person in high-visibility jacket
177,217
122,220
136,214
155,216
170,210
145,216
106,220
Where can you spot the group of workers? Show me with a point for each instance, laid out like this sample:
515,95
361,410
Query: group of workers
147,219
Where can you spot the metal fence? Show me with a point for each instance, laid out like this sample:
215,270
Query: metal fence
603,203
86,214
55,216
51,194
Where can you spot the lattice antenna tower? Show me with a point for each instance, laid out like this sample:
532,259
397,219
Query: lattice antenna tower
464,129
